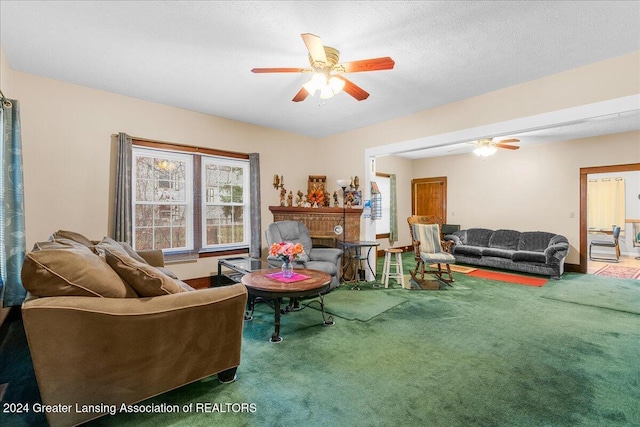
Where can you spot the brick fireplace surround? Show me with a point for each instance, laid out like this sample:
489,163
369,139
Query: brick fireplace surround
321,221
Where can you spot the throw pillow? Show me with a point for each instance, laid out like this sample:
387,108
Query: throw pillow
130,251
147,281
71,235
60,270
114,246
60,243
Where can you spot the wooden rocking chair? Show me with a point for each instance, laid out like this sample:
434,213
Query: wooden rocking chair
429,249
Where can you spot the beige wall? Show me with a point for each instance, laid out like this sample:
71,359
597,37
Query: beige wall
67,142
403,168
610,79
66,136
534,188
5,74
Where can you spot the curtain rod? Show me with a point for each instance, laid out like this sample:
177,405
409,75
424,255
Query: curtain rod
5,101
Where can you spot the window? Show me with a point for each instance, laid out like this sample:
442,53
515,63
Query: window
162,200
189,202
226,189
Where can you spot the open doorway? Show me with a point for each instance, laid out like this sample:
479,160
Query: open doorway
622,183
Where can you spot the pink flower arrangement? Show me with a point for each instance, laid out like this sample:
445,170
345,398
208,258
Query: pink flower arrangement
286,251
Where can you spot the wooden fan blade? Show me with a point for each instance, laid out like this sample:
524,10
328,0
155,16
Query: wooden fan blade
509,147
509,140
301,95
373,64
315,47
354,90
280,70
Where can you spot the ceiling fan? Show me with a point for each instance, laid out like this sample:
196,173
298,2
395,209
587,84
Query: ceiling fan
487,146
327,71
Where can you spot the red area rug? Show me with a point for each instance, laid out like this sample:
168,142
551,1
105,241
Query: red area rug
510,278
619,272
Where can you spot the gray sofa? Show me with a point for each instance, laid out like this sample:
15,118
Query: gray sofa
535,252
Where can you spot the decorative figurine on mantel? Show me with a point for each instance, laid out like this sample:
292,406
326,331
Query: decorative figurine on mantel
299,198
327,199
283,195
349,200
290,199
335,199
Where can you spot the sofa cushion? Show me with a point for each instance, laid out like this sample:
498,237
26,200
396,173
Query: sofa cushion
108,243
467,250
529,256
59,243
500,253
478,237
71,235
147,281
58,269
534,241
504,239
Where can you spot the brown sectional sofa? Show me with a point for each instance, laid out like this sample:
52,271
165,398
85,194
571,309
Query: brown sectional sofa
107,326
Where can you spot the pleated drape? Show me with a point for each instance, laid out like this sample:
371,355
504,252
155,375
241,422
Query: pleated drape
255,250
12,231
393,211
122,215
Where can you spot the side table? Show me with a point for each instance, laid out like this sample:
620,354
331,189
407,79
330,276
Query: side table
239,266
356,258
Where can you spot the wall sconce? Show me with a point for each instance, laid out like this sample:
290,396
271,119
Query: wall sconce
278,182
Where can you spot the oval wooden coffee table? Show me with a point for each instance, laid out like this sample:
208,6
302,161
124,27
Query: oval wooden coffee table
259,284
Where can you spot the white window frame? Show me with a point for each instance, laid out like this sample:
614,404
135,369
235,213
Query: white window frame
189,191
236,163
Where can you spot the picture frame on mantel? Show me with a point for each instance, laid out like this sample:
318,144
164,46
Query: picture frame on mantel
317,182
355,196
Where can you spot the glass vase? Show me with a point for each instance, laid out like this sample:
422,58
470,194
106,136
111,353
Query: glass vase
287,269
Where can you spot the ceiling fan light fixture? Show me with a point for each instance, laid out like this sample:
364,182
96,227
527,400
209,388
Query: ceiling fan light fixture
318,82
336,85
485,150
326,92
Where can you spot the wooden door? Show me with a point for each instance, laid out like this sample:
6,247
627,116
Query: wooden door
429,197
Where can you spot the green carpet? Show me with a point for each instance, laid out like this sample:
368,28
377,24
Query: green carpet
490,355
617,294
362,305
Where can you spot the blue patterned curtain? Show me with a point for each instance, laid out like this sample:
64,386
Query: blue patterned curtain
12,235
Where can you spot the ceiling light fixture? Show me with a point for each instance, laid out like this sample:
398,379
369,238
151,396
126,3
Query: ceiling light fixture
485,150
328,86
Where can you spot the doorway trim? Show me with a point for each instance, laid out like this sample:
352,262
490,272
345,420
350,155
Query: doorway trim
583,203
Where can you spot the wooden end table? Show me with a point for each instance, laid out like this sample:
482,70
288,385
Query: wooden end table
260,285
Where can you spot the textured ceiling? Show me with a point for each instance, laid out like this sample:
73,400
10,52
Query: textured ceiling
198,55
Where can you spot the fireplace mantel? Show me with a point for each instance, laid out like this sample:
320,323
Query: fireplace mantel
321,222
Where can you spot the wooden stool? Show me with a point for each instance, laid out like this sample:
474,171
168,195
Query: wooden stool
396,262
